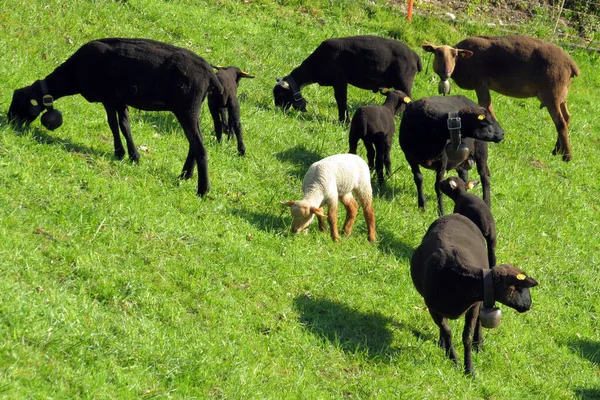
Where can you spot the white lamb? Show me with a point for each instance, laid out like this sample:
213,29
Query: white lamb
326,181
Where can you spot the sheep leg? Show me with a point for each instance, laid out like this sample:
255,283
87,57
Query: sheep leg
113,124
471,320
481,156
236,126
188,166
380,160
484,98
463,174
560,117
366,203
340,92
477,336
370,155
445,336
353,143
322,225
440,174
197,152
332,218
491,246
226,120
351,210
123,113
215,112
387,159
418,178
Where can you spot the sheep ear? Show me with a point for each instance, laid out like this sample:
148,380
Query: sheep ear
464,53
471,184
287,203
428,47
246,75
523,280
317,212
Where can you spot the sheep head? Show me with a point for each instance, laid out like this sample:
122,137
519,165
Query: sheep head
26,106
478,123
511,287
395,98
455,186
444,62
285,97
235,73
302,214
29,102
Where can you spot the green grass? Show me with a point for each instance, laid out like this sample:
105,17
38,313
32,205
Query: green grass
118,282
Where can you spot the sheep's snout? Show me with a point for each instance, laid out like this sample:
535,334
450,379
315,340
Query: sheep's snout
444,87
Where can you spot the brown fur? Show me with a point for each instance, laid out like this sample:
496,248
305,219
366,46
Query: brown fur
446,269
516,66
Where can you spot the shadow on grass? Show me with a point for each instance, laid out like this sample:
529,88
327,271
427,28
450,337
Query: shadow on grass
587,394
353,331
586,348
44,137
390,245
301,157
264,221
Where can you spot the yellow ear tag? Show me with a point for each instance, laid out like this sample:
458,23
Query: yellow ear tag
385,90
33,102
407,99
521,277
481,117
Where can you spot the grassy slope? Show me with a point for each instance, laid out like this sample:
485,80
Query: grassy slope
119,282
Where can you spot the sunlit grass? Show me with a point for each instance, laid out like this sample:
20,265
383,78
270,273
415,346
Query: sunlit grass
118,282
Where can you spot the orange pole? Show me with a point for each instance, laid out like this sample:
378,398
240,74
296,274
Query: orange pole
410,7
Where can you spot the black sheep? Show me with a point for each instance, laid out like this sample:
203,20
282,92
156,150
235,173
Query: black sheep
448,270
426,140
375,126
367,62
118,73
475,209
224,106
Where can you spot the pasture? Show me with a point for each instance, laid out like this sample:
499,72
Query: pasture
119,282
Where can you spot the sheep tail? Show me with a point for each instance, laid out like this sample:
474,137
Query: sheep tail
419,65
574,69
216,83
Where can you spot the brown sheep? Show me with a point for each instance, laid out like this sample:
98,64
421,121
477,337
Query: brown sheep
516,66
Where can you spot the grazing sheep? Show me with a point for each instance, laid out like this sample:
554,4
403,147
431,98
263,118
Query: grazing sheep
118,73
516,66
367,62
224,106
448,270
326,181
475,209
425,139
375,126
